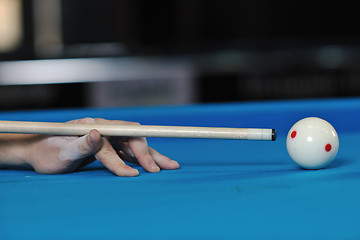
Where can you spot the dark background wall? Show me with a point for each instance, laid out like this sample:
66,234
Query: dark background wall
241,50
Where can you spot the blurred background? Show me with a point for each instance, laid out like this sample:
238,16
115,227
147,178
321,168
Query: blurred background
106,53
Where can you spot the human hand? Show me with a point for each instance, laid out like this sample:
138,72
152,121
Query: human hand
63,154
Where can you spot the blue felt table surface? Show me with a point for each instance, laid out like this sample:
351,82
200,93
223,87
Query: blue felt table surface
224,189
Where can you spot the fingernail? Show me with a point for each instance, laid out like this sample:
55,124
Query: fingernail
155,167
135,172
131,153
176,163
90,140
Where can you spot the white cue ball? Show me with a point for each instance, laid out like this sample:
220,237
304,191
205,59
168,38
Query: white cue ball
312,143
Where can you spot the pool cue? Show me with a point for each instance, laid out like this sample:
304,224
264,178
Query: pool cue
77,129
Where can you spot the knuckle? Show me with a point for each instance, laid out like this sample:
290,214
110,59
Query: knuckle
86,120
133,123
98,120
83,148
144,157
107,151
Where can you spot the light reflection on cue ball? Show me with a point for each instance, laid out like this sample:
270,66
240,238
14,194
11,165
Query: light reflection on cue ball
312,143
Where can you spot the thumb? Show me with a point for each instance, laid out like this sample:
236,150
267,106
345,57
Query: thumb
83,146
90,143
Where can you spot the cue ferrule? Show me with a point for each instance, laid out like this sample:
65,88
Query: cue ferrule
53,128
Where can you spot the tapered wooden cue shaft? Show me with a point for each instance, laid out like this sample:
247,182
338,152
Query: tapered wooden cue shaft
52,128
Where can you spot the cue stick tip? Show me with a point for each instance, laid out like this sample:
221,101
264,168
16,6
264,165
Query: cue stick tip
273,135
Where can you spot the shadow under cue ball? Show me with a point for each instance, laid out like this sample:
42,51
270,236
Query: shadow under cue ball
312,143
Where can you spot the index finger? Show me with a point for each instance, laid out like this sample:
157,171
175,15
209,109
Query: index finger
111,160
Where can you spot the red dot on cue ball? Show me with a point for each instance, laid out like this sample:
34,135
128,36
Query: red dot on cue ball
328,147
293,134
